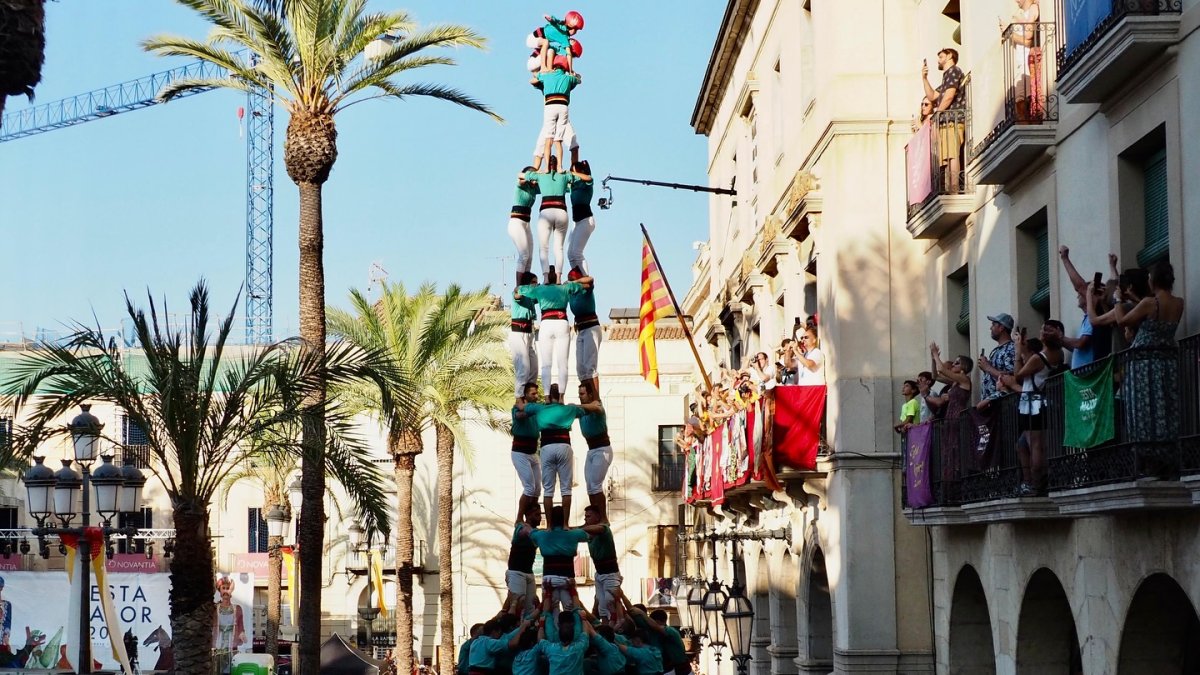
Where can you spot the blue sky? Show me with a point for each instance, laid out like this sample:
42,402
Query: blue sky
156,198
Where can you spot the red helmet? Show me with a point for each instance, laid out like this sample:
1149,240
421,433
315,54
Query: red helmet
574,20
560,62
576,48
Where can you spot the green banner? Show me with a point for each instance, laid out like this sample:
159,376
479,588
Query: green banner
1088,408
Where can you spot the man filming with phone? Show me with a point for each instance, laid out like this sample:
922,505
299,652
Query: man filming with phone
999,362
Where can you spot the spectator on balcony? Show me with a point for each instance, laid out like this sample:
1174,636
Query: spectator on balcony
1133,285
1036,360
910,412
1092,342
949,105
1022,34
955,399
924,394
763,373
1000,362
923,114
1149,389
785,362
810,361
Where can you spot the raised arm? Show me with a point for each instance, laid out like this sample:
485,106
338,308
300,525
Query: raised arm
1077,280
1108,318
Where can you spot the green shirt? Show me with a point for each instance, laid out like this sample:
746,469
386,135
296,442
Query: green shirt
564,659
911,411
555,32
526,194
553,415
593,424
526,662
464,657
609,659
557,82
558,542
670,645
552,184
647,659
551,296
581,192
601,546
582,304
484,649
524,308
523,426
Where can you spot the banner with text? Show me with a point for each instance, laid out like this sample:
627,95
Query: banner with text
35,631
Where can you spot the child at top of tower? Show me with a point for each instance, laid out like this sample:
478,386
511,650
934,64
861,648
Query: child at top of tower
556,85
555,39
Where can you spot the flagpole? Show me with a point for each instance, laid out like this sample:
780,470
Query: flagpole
682,322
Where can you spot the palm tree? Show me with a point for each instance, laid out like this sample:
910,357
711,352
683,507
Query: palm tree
310,53
22,47
448,351
199,408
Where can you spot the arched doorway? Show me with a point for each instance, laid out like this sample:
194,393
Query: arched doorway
784,647
1046,639
1162,633
818,617
971,649
760,658
380,632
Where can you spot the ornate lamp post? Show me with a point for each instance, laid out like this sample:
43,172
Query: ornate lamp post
117,490
739,617
277,525
360,537
295,498
712,605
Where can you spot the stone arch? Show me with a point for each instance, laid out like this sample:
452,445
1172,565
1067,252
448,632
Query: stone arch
382,631
1162,632
972,651
816,614
784,647
1047,642
760,639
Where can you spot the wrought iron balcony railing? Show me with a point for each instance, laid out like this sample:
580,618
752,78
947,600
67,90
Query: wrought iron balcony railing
668,476
949,152
1156,423
1087,22
1030,76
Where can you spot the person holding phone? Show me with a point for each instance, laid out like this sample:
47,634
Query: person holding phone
1000,362
1091,342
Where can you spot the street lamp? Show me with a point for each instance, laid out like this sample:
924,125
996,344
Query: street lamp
277,522
360,538
111,484
695,607
739,618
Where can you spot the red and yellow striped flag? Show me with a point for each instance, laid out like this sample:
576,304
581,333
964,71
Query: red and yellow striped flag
656,304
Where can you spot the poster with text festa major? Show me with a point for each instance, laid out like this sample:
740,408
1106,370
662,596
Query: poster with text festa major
33,619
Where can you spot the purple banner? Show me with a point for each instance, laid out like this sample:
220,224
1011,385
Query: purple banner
917,158
918,475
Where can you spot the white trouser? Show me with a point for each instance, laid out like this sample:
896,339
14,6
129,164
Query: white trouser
579,238
558,461
554,348
595,468
520,583
569,139
529,470
605,585
555,118
552,221
524,358
522,238
587,352
560,591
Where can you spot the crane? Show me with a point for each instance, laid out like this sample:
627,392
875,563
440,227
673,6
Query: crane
260,163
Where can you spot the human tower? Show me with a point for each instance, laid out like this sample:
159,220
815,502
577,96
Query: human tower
615,636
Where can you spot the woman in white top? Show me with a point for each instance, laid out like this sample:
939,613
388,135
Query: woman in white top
810,361
1036,360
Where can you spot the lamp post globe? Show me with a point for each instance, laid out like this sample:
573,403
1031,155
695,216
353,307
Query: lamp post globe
695,608
295,496
108,481
135,480
39,488
358,537
67,483
85,434
277,521
714,623
739,620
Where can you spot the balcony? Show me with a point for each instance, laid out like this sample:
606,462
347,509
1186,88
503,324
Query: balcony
668,476
940,193
1030,110
1106,43
1145,466
357,562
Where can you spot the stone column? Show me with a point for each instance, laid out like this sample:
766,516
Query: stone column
768,322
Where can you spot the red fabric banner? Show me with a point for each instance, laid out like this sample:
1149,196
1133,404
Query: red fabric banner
797,428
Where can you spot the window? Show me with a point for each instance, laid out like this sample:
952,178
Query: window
1154,199
256,541
752,123
958,313
142,520
668,471
807,54
136,444
1040,300
5,432
8,521
777,110
1033,269
664,551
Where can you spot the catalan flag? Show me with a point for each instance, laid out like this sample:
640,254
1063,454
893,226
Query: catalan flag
656,304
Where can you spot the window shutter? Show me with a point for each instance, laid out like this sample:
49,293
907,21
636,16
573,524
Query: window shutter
257,529
964,313
1040,300
1154,190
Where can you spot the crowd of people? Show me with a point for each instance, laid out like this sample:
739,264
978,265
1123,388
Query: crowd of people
1134,309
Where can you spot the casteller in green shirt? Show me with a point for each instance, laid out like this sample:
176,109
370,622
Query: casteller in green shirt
557,416
551,296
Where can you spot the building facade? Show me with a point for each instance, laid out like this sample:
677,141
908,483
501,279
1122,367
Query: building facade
1079,136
